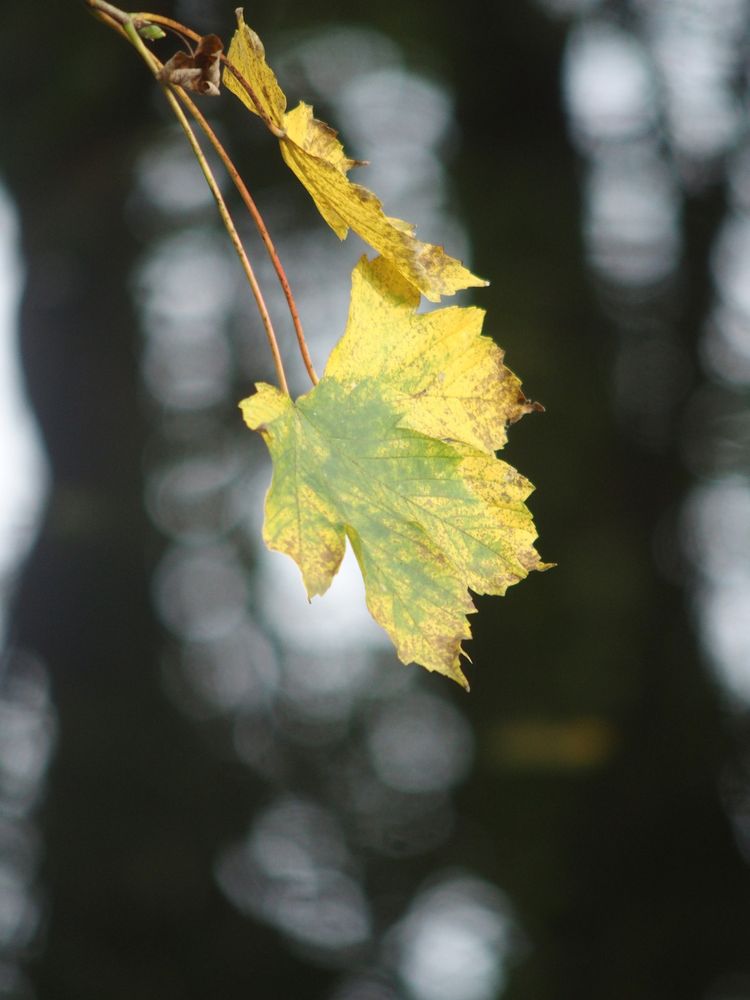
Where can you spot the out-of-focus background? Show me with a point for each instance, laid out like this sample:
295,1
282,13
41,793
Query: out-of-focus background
209,788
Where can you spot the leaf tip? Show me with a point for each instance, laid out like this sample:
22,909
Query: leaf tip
460,677
531,405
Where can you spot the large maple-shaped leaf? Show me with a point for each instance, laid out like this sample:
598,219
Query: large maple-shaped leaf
394,450
312,151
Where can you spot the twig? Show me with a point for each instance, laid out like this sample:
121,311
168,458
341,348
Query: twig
120,17
128,25
261,226
181,29
226,218
272,127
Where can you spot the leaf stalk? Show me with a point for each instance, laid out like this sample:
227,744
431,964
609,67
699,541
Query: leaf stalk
181,29
260,225
129,25
154,65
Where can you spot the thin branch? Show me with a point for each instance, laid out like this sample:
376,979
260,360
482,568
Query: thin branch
154,66
181,29
107,8
120,21
261,226
272,127
114,14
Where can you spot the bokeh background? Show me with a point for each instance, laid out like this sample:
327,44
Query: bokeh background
209,788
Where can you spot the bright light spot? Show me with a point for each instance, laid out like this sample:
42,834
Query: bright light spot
408,113
27,733
406,119
724,615
323,688
607,84
293,872
331,623
331,60
187,499
698,48
631,224
18,914
726,343
731,264
170,179
185,279
201,592
738,176
420,743
455,941
23,471
630,221
717,534
186,370
236,671
184,286
725,348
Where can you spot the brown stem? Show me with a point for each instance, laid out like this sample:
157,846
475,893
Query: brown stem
125,24
114,14
260,225
233,235
107,8
272,127
181,29
237,180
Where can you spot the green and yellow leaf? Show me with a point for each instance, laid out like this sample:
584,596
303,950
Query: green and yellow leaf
311,149
394,450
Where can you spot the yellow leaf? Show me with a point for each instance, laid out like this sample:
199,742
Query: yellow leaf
452,381
247,53
394,450
312,151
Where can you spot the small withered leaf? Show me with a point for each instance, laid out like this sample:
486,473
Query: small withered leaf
199,71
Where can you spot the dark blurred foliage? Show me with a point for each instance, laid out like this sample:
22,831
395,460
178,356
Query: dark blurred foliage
594,804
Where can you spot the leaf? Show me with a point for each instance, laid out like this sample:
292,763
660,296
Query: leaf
394,450
151,32
311,149
198,71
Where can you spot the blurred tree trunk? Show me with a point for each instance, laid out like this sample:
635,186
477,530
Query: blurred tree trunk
628,861
136,806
